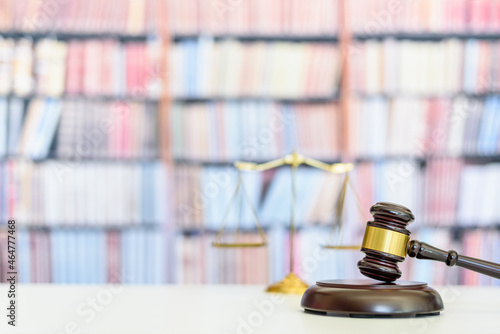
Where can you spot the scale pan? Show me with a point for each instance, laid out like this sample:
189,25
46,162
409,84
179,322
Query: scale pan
347,247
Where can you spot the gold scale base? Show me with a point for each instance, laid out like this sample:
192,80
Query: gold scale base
291,284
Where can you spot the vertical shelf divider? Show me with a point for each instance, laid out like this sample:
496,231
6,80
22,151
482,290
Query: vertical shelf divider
165,96
345,45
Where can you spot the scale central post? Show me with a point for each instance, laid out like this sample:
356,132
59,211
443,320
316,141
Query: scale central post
292,284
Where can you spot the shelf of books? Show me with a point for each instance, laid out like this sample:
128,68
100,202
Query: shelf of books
80,167
83,122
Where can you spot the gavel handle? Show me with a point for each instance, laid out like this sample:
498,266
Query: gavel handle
421,250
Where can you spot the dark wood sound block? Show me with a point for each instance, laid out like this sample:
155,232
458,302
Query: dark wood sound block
367,298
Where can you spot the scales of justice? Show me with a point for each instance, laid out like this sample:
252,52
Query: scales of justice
291,283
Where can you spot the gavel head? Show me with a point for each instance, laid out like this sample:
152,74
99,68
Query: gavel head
385,241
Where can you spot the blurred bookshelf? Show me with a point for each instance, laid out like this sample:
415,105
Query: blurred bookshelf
308,100
68,36
262,38
356,36
81,169
411,95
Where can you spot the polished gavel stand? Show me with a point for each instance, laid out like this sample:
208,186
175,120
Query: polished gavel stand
368,298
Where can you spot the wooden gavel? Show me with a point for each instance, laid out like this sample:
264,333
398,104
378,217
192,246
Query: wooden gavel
387,241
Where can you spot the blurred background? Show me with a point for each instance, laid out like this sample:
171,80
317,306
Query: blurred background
120,122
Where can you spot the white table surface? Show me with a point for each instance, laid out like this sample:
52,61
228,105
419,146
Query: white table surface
223,309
